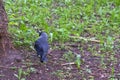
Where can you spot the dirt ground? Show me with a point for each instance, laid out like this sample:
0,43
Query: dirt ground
91,68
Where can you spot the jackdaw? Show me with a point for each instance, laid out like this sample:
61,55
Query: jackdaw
42,46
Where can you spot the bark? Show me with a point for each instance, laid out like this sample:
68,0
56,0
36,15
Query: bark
5,43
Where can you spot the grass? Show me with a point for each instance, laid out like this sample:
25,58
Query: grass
23,73
59,73
61,19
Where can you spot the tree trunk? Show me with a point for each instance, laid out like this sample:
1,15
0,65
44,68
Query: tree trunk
5,43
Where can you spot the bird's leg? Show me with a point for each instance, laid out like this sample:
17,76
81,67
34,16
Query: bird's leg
44,57
38,55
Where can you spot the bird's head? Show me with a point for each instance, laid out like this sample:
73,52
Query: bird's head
40,32
43,34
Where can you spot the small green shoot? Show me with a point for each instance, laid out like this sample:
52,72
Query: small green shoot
109,43
19,75
51,37
78,61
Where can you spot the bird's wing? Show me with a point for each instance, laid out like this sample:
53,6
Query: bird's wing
38,47
45,48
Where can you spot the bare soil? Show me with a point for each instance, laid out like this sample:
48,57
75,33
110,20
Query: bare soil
91,68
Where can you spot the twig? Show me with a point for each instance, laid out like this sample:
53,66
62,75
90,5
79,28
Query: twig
4,67
23,66
2,75
12,67
86,39
71,63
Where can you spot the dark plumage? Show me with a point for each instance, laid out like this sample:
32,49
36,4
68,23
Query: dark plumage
41,46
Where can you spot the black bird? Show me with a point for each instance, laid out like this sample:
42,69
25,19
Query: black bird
41,46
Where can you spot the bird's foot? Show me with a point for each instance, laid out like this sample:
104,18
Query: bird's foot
44,61
39,56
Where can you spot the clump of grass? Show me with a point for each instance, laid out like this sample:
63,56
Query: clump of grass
59,74
23,73
24,36
69,56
